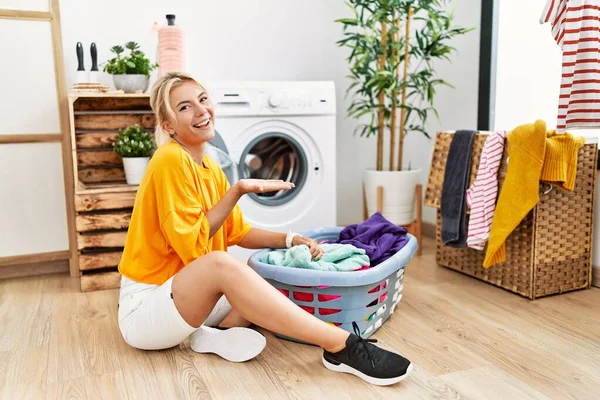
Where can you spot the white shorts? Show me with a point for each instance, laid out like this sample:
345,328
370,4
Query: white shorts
149,320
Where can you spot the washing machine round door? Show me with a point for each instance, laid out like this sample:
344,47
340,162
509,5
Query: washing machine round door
274,155
277,149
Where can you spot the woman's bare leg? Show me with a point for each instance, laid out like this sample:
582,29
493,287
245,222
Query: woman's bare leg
233,319
197,288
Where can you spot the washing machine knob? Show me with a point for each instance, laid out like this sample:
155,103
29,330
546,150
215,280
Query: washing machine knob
275,100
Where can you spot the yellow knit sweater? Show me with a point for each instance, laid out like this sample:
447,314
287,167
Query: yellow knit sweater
534,155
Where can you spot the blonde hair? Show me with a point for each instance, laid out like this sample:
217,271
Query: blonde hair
160,101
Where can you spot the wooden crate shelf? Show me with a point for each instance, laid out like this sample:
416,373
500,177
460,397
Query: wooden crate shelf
96,240
95,140
98,261
100,281
104,187
102,221
109,122
101,158
103,201
101,175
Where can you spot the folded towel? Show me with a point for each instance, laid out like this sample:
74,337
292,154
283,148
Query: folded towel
456,179
380,238
336,257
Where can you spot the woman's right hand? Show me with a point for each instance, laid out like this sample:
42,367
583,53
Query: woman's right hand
263,185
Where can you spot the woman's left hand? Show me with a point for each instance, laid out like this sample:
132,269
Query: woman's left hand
315,250
263,185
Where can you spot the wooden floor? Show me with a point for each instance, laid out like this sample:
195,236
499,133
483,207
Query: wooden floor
466,339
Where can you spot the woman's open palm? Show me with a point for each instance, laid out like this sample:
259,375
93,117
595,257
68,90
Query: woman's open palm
264,185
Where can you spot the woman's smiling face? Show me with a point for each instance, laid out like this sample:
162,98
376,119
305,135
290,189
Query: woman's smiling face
194,115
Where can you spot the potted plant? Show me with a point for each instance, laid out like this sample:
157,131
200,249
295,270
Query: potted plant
131,72
135,146
379,46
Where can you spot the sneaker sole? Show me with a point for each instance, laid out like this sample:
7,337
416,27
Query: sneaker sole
374,381
233,344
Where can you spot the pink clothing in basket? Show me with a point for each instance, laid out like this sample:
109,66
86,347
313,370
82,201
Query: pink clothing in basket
481,196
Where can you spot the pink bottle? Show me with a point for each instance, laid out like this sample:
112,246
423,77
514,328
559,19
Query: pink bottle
171,52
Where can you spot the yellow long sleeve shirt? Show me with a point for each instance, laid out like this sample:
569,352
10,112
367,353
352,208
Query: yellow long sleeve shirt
534,155
168,227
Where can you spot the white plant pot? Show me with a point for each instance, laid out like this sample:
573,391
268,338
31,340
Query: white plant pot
399,203
131,83
134,169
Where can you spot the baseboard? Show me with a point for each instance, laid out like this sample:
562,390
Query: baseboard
32,269
38,258
428,229
596,276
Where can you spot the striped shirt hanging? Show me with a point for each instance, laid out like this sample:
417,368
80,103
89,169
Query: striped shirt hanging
481,196
576,29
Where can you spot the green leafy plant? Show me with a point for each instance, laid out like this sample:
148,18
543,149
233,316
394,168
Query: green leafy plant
378,48
134,63
133,141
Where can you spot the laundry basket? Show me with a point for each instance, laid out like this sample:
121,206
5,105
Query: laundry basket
367,297
550,251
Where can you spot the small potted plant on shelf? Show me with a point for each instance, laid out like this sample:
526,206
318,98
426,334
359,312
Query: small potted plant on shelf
135,146
131,72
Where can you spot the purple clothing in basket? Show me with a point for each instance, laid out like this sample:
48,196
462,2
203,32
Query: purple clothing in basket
379,237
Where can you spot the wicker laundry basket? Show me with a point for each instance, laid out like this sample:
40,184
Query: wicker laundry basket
549,252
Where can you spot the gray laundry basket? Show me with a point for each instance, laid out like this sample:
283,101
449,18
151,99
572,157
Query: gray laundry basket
367,297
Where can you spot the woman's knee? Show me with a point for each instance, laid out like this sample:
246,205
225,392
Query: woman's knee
222,259
217,262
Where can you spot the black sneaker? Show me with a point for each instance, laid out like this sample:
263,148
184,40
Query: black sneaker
367,361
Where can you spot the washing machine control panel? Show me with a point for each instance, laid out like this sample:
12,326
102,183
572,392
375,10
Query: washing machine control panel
295,98
282,100
275,100
301,103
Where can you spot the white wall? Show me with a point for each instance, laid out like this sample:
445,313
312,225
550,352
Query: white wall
528,68
276,40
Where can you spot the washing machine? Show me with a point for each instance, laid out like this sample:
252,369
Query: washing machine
279,130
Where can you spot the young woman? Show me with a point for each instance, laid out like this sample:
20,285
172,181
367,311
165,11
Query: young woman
178,281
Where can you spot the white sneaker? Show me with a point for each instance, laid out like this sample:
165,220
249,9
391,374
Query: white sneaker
233,344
